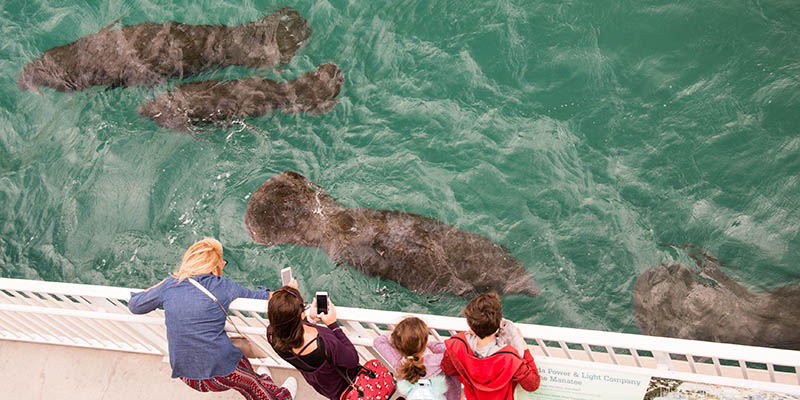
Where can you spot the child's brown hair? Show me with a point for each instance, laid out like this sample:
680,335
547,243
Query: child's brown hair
410,338
484,314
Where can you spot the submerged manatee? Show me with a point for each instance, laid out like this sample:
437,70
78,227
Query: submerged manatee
148,53
420,253
206,102
674,301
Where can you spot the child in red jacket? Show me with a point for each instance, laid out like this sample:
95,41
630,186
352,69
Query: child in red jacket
487,359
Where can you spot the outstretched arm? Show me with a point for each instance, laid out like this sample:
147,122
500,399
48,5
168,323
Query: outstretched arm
148,300
240,291
342,351
384,347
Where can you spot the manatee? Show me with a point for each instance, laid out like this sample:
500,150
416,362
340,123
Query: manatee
213,101
146,54
675,301
420,253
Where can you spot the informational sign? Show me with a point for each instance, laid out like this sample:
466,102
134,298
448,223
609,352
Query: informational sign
563,381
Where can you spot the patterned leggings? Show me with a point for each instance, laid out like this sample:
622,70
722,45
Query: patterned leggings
245,381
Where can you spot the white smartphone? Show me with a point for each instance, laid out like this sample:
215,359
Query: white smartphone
286,276
322,302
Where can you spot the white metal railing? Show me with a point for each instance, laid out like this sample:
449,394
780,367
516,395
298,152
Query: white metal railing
97,317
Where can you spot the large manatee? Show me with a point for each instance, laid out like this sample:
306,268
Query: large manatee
205,102
675,301
148,53
420,253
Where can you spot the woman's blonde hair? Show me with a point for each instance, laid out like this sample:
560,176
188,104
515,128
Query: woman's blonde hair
410,338
203,257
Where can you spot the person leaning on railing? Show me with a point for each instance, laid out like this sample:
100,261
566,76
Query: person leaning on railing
322,354
417,361
487,359
200,352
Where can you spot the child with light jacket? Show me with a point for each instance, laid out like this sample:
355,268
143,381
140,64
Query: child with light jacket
417,360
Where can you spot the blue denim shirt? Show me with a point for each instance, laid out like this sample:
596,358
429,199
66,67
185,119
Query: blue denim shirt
199,348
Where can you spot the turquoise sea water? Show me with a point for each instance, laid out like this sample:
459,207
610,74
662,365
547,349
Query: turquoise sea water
580,135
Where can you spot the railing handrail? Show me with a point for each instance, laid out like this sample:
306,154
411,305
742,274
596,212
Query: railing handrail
69,289
595,338
561,335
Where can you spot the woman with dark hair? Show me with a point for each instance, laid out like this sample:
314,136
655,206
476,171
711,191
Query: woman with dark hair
322,354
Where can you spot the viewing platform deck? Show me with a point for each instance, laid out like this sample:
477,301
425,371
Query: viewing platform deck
61,340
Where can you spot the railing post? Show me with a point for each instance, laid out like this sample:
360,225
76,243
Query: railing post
663,360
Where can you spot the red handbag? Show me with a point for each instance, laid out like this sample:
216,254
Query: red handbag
373,382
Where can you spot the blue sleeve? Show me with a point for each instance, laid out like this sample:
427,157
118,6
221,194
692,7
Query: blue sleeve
241,291
149,300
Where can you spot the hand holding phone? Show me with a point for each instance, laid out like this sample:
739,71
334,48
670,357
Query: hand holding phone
286,276
321,300
322,309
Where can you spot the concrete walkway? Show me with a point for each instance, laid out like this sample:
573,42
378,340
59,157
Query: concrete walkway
41,371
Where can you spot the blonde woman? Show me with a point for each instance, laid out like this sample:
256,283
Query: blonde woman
200,352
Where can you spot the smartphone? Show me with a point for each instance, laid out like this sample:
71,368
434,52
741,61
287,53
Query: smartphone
322,303
286,276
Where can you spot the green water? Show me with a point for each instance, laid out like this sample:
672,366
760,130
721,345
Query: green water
580,135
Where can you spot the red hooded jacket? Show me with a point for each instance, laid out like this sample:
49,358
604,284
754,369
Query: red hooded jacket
493,377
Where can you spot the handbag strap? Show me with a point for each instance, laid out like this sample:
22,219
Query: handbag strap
211,295
291,357
344,375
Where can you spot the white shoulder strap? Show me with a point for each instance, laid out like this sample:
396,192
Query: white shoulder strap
203,289
209,294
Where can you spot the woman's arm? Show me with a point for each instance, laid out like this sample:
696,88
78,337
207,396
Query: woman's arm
162,281
241,291
148,300
341,350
